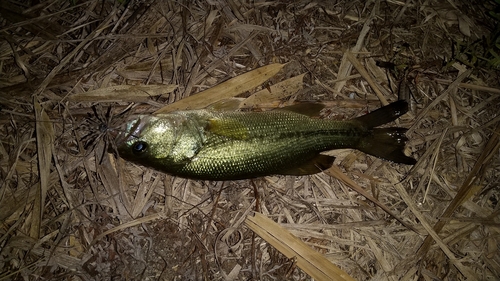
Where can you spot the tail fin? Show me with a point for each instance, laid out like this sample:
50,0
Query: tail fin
386,143
384,114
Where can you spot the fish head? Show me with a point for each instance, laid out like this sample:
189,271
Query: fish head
149,139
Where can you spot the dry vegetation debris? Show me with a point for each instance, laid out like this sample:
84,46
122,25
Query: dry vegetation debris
71,211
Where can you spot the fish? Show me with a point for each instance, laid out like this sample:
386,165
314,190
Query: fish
219,145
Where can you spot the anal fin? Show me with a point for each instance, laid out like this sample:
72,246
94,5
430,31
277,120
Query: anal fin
315,165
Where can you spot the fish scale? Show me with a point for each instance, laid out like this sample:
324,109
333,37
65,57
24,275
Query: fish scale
204,144
277,142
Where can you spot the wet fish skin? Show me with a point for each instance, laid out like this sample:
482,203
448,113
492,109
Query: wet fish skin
203,144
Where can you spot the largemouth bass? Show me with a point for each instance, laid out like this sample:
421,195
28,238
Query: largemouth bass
209,145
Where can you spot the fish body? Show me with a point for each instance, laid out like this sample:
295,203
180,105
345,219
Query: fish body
211,145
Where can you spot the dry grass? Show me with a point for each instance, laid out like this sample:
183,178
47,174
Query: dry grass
70,211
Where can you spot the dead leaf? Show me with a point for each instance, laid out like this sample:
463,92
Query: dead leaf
307,259
225,90
276,92
128,93
44,142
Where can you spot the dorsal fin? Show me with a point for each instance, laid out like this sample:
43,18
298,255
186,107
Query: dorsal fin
230,104
310,109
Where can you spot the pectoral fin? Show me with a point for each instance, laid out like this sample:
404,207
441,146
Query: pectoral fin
315,165
228,128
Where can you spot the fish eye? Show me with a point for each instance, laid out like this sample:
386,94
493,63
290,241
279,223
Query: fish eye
139,147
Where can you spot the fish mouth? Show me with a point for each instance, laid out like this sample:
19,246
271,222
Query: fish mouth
132,129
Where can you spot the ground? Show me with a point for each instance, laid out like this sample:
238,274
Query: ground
72,71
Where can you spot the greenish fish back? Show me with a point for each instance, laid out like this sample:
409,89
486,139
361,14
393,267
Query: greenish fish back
238,145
